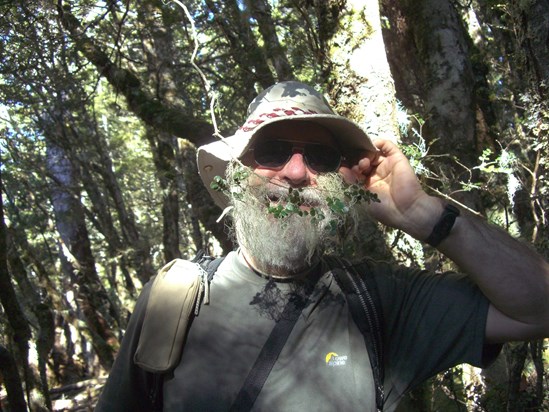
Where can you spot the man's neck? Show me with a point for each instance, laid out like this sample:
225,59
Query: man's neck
275,272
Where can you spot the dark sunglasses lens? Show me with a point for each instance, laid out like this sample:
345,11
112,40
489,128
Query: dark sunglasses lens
272,153
322,159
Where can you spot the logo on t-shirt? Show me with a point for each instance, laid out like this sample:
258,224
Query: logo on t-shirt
333,359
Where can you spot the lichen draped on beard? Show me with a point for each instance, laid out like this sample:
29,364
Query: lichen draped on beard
289,243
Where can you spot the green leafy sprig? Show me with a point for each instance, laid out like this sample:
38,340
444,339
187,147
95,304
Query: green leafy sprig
353,193
220,185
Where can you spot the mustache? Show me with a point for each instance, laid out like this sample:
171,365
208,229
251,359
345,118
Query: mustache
281,193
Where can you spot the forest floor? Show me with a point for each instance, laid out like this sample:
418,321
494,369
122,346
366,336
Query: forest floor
77,397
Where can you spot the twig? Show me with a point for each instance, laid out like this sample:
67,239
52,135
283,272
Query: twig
533,190
78,385
209,90
454,201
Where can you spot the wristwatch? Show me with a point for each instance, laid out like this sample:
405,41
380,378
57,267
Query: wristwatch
443,226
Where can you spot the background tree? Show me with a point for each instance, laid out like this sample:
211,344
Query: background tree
104,104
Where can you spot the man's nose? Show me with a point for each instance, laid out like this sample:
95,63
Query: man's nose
296,172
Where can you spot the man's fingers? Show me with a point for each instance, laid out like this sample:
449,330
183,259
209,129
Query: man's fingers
364,166
386,147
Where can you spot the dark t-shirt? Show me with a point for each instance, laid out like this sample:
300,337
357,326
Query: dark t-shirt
431,322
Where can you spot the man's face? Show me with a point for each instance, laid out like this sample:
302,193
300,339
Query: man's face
296,152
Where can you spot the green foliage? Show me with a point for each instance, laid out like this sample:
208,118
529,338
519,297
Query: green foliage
491,163
294,203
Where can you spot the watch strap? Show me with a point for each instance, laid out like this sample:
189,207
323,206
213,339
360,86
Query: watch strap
443,226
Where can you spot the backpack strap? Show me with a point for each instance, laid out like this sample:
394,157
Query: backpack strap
257,376
364,303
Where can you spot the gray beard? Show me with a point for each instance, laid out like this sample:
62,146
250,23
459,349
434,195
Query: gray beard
289,244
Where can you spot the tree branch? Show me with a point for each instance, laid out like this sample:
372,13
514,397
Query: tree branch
145,106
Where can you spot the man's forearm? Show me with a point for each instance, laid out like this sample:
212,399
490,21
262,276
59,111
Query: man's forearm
512,276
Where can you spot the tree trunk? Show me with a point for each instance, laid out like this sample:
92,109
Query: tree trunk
361,89
164,161
362,84
521,29
76,254
12,382
249,57
261,11
515,354
536,15
171,161
137,249
449,99
14,313
157,45
536,351
43,314
430,56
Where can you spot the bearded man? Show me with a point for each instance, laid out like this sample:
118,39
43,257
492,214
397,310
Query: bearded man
287,170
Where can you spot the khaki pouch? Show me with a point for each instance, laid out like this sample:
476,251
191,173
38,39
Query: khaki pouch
171,304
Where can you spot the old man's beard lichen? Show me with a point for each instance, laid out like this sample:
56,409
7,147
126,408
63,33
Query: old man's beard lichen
289,243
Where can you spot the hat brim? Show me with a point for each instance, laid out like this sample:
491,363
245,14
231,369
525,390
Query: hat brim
214,158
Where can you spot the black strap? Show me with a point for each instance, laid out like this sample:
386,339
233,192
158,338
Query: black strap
208,263
444,225
155,391
363,299
271,350
211,267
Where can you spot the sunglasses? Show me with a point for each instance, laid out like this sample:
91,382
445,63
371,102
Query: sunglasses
274,154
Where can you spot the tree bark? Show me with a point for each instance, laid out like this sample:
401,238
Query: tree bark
449,98
430,53
362,85
261,11
76,254
43,314
432,40
537,17
14,313
12,382
361,89
536,351
516,357
521,29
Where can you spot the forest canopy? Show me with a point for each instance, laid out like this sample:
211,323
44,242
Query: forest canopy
103,104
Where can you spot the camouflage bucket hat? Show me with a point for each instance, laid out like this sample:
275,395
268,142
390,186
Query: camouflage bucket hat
284,101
